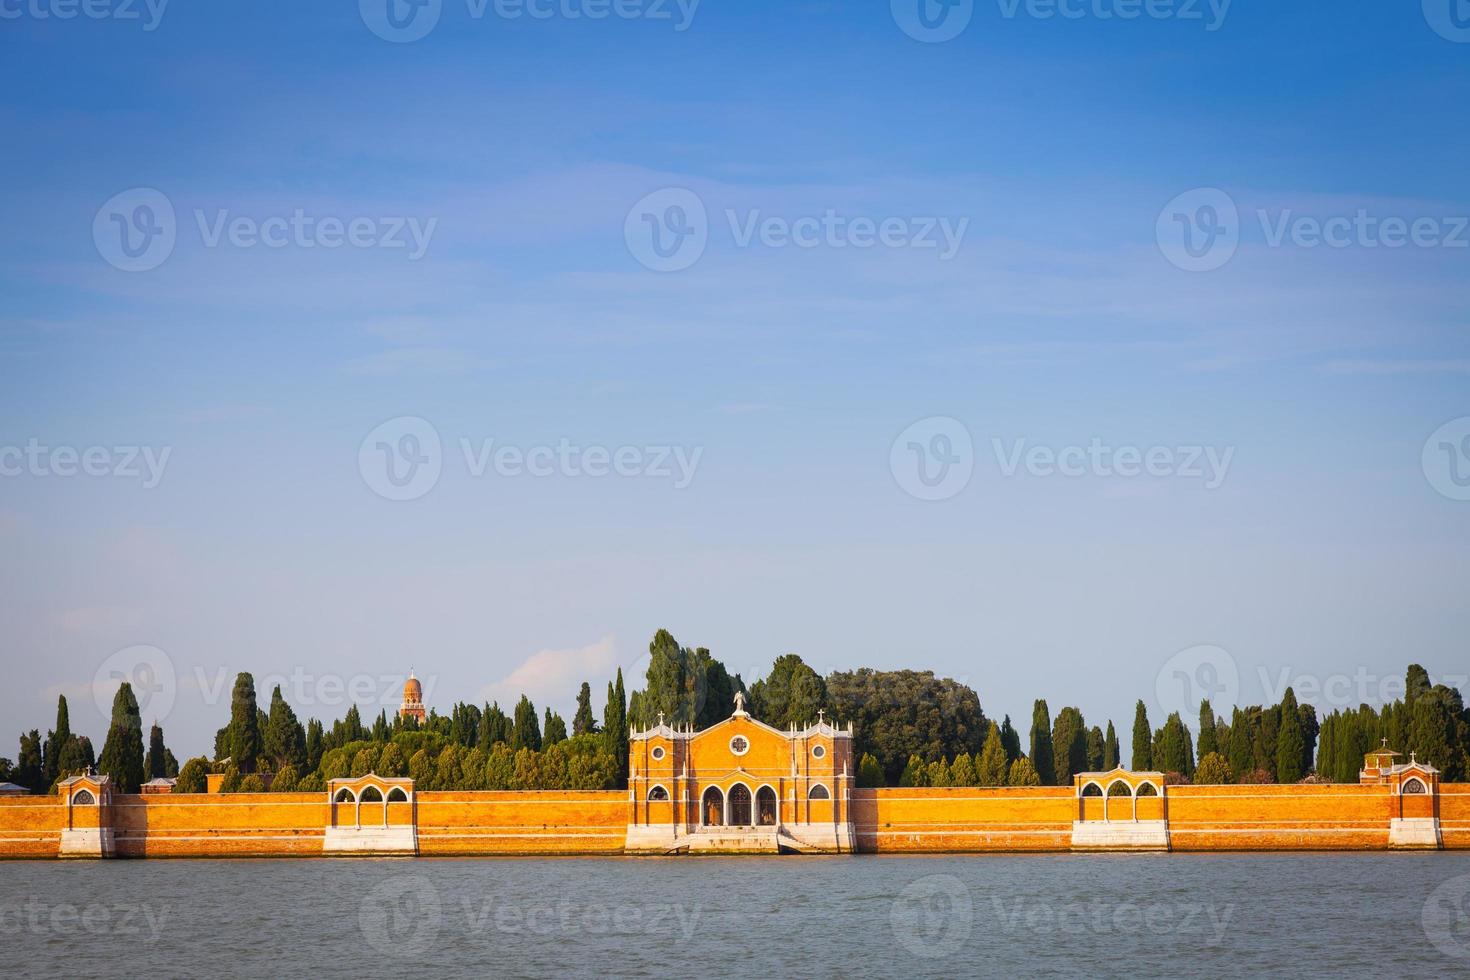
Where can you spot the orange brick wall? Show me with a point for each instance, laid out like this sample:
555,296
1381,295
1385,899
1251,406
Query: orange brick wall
218,825
1454,814
963,819
30,826
1266,817
530,822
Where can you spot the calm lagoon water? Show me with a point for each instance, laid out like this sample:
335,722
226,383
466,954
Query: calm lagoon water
1053,915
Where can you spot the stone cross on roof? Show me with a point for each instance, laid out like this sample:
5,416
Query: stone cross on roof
660,719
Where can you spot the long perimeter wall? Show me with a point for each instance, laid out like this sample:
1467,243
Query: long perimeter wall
893,820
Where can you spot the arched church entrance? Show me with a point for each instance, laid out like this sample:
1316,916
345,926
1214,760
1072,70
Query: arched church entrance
713,807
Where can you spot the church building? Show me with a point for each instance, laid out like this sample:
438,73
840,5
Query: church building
741,786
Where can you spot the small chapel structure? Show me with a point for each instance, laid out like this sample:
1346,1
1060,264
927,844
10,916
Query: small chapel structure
741,786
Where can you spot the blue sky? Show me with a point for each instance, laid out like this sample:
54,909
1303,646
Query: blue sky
1325,550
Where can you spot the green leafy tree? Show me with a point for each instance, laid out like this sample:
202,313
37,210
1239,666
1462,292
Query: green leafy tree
896,714
1096,749
583,722
993,768
122,754
364,762
500,767
245,740
870,773
1433,736
29,770
1173,749
1023,773
193,778
1042,756
495,726
1069,746
962,771
937,773
1213,770
392,761
915,773
284,740
251,784
1143,753
1417,684
421,769
615,724
1239,754
286,781
231,782
314,746
791,694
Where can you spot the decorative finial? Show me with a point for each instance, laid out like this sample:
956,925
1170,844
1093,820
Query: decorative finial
740,702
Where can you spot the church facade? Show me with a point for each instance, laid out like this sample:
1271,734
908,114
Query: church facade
741,786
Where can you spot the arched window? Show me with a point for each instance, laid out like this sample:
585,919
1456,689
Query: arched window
397,795
371,795
1092,789
344,795
85,798
1147,789
1414,787
658,795
819,792
712,805
765,807
1119,788
740,805
819,751
658,752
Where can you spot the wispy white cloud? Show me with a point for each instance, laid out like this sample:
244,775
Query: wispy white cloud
554,676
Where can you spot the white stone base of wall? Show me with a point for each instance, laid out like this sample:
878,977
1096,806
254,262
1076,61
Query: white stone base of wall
95,843
799,837
1120,835
1415,832
371,840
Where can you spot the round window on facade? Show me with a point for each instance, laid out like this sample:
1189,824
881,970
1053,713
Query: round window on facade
658,752
739,745
820,751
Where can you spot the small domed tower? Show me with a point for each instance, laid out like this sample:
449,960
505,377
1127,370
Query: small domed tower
413,699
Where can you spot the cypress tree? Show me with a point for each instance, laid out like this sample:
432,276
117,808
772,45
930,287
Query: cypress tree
1432,732
937,774
1289,745
56,742
284,740
1310,731
1143,755
245,741
915,773
1239,752
1069,746
314,749
1096,749
1173,750
29,771
994,768
582,722
1207,743
1110,749
528,730
1042,757
122,755
555,730
1416,685
1266,737
154,764
615,726
1010,740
